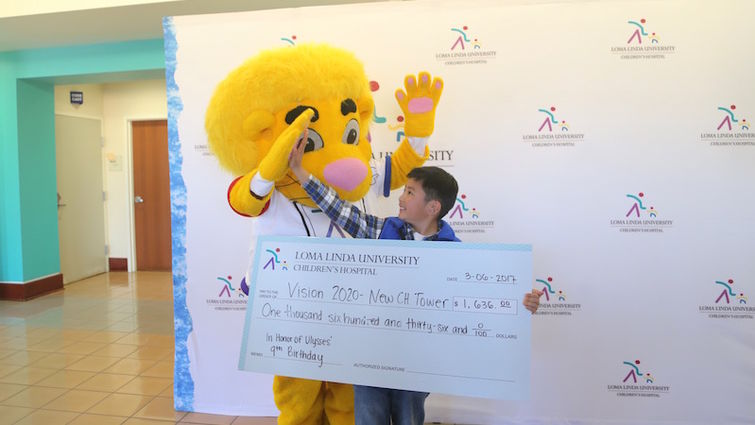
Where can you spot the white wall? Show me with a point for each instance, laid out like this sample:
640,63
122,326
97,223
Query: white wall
22,8
123,102
92,106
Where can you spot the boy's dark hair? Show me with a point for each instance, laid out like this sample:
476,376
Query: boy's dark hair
438,185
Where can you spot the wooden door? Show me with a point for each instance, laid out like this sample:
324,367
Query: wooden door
151,195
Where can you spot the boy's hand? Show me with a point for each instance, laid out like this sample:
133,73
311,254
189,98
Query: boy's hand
531,300
295,158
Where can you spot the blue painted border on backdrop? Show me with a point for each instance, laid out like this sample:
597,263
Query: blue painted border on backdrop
356,242
183,384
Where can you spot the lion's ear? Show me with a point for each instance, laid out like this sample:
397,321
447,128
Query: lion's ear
259,124
365,106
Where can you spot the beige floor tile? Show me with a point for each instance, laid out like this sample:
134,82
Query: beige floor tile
11,414
247,420
120,405
76,334
7,369
7,390
57,361
93,363
87,419
131,366
34,397
47,417
15,344
4,352
27,375
204,418
82,348
153,340
116,350
76,401
168,392
140,421
160,408
105,337
160,370
54,345
109,382
146,385
123,326
66,379
24,358
151,353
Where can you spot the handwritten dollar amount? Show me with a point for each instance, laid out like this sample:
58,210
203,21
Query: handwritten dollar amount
492,278
489,305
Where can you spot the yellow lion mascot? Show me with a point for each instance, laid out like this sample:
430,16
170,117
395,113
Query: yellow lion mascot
254,118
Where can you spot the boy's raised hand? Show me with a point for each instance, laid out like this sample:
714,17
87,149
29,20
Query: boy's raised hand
296,155
531,300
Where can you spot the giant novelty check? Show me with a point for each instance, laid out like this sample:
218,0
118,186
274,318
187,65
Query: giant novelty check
439,317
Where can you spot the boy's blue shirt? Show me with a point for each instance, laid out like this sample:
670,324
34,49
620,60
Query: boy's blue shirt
396,228
359,224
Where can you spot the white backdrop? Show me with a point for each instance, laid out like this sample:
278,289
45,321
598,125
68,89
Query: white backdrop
636,96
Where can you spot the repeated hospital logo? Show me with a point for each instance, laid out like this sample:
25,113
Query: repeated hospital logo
548,291
727,300
634,374
728,294
642,42
640,216
732,128
464,48
730,117
463,40
230,295
554,301
461,207
551,121
396,126
637,206
290,41
553,131
229,291
464,217
635,380
273,260
639,32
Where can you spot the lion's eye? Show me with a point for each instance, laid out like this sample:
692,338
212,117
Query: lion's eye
314,142
351,133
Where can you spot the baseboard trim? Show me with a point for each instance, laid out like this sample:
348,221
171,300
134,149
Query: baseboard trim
118,264
31,289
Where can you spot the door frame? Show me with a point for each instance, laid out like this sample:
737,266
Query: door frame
130,184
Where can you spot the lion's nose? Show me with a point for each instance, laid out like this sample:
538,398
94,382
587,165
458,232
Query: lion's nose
345,173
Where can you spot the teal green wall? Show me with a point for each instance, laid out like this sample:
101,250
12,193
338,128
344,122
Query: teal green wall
11,264
28,184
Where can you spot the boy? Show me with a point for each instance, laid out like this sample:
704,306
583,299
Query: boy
428,195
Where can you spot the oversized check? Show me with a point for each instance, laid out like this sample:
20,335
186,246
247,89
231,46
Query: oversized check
425,316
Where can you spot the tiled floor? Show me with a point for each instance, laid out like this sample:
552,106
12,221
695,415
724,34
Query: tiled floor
99,352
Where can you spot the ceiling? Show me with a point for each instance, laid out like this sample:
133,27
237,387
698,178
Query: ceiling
132,22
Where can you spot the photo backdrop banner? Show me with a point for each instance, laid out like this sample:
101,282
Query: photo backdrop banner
613,136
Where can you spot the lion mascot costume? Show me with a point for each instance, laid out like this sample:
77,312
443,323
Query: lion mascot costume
257,114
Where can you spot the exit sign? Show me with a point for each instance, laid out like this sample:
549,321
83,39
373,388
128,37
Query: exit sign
77,98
